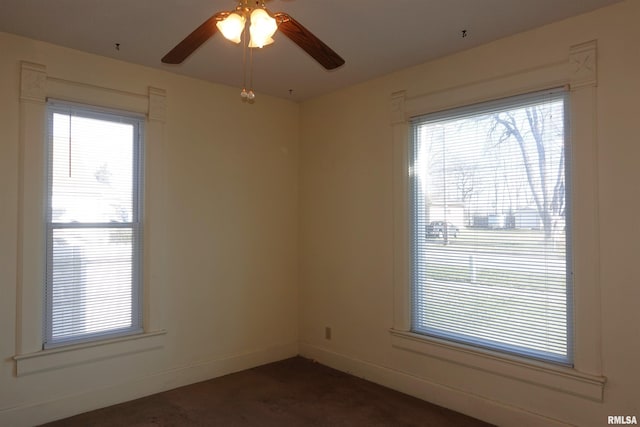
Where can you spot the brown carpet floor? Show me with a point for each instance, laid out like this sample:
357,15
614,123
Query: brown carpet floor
292,392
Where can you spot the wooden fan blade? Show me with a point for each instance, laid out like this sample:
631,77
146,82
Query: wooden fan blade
194,40
308,42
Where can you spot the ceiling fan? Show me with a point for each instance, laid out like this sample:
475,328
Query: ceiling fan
263,24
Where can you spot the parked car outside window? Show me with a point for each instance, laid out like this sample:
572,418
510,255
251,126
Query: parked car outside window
436,229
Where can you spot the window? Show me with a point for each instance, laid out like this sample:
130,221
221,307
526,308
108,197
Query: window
490,242
93,225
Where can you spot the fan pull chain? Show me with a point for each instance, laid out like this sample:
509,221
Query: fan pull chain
247,95
244,94
251,96
70,117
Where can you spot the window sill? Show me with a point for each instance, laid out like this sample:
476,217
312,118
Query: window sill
554,377
73,355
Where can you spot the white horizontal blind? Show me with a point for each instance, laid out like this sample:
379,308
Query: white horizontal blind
490,226
93,225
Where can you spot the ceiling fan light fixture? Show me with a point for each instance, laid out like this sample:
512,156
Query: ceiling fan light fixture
232,26
262,28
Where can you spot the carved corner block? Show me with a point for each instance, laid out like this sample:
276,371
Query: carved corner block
397,107
583,65
157,104
33,81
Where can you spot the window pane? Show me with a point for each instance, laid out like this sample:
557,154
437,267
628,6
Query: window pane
93,225
92,170
91,290
489,227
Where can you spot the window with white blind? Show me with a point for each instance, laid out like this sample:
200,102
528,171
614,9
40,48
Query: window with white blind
490,229
93,264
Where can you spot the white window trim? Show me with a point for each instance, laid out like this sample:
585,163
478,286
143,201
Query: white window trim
579,73
35,88
62,357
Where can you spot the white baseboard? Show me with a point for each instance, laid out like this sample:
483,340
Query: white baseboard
87,400
460,401
470,404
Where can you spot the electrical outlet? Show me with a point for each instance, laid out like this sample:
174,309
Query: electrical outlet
327,333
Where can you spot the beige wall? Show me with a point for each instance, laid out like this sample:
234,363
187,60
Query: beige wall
347,226
251,267
228,287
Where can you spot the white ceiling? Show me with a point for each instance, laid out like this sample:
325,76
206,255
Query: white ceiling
375,37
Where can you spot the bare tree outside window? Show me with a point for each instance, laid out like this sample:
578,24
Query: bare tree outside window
544,164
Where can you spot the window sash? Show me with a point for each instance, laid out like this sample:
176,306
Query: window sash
93,290
455,304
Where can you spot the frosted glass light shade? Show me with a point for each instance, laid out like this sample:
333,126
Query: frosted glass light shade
231,27
262,28
263,42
